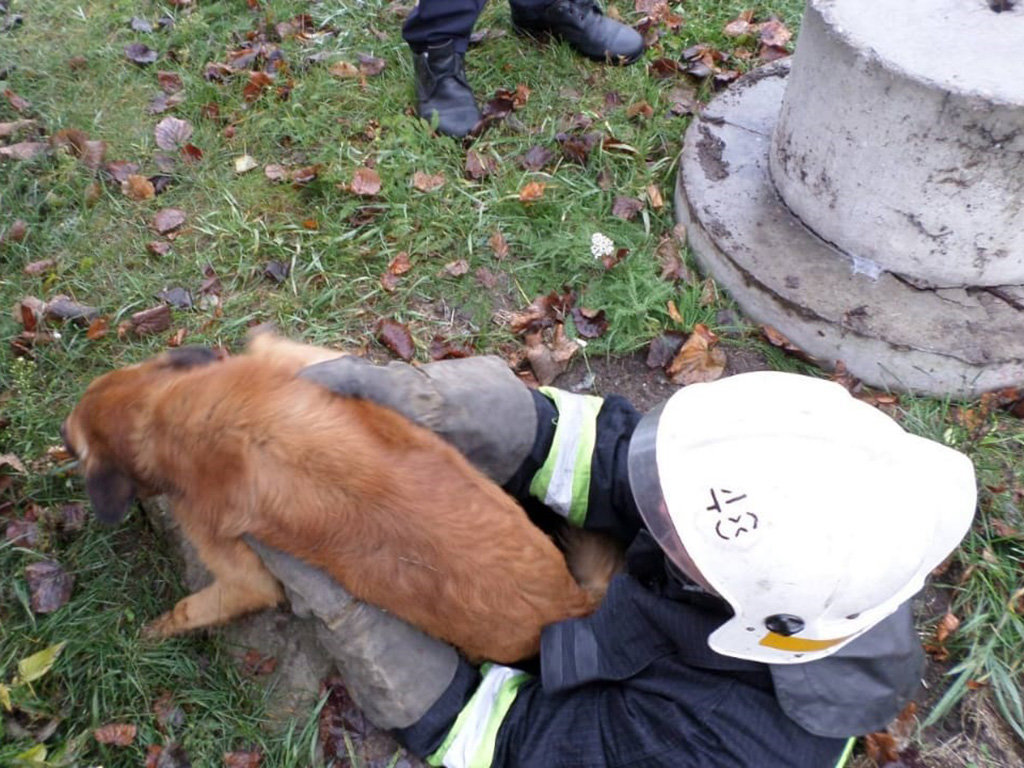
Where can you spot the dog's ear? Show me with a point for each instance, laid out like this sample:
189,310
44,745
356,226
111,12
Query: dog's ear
111,493
183,358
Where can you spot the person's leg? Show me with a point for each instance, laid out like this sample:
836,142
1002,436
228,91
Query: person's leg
438,34
583,25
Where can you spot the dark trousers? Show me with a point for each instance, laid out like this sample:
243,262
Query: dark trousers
433,22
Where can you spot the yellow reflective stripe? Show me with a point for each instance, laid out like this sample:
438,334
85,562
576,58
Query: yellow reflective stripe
843,758
470,742
797,644
563,482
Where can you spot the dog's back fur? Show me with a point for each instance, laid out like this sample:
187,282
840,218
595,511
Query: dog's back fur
390,510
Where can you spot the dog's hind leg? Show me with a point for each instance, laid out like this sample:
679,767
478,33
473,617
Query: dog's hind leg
241,584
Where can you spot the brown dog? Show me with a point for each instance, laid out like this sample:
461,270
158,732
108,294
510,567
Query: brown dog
391,511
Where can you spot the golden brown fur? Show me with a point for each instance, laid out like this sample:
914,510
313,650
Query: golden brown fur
391,511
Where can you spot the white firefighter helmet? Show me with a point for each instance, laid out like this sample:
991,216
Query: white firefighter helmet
813,514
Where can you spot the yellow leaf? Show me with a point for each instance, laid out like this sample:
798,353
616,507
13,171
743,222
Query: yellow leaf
34,756
5,697
38,664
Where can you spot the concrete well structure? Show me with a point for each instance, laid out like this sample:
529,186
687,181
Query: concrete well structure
867,198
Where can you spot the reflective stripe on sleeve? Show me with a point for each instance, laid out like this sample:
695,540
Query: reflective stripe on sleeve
470,743
563,482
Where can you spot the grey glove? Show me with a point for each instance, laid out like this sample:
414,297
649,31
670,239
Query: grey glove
475,403
393,672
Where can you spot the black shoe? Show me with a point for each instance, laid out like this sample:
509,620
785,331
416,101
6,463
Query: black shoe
441,88
583,25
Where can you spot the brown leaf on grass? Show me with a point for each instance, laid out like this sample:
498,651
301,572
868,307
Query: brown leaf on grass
673,312
168,714
275,172
672,265
138,188
590,323
627,207
370,65
172,133
456,268
549,358
576,147
663,68
12,461
15,233
389,282
543,311
300,177
18,103
243,759
24,150
177,338
63,309
536,158
49,586
40,267
120,170
277,271
639,109
177,297
479,166
158,247
98,328
400,264
170,82
654,197
22,533
532,192
150,321
396,337
740,26
140,54
365,182
698,360
445,349
77,63
29,312
613,259
427,182
258,83
167,220
499,245
118,734
245,163
344,69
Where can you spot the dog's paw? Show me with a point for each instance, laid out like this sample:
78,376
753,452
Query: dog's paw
166,625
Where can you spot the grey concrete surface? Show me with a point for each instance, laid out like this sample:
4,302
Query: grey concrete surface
901,136
888,331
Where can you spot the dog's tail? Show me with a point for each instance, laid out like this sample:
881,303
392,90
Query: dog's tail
593,559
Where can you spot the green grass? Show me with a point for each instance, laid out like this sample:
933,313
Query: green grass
333,295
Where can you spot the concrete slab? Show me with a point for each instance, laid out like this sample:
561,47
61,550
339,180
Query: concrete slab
887,331
901,136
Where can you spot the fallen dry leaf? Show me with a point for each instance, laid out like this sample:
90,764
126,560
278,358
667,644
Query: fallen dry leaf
664,348
16,233
18,103
532,192
8,130
699,359
243,759
444,349
150,321
627,207
258,83
654,197
370,65
947,625
396,337
24,150
499,245
49,586
172,133
257,664
40,267
456,268
400,264
138,188
536,158
277,271
275,172
427,182
140,53
344,69
170,82
245,163
548,359
167,220
479,166
118,734
543,311
62,308
365,182
590,323
98,328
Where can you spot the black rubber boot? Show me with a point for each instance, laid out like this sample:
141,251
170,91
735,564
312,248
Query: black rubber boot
583,25
441,88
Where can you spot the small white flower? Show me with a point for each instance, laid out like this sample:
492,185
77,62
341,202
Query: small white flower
601,245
